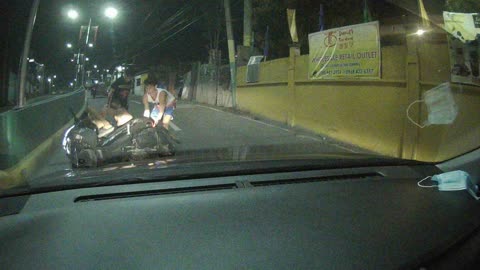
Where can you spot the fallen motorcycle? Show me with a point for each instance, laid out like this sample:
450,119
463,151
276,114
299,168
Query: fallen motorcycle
137,139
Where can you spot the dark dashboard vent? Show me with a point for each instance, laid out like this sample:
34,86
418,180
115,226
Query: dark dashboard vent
373,175
123,195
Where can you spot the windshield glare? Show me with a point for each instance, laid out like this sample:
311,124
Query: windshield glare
91,87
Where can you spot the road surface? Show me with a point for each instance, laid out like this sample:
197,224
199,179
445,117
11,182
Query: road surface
200,127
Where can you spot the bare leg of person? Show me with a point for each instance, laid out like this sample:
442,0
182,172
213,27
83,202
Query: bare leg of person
166,120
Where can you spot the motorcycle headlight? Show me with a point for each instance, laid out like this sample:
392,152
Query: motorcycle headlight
66,141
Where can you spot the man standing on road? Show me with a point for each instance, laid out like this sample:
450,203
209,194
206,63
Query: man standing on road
119,91
163,103
117,105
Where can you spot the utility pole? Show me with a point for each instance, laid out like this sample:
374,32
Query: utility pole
26,50
231,52
247,23
86,46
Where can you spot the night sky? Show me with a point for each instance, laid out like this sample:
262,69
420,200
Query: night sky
152,32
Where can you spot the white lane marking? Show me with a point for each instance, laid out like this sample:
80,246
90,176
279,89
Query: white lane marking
206,107
263,123
244,117
175,127
310,137
137,102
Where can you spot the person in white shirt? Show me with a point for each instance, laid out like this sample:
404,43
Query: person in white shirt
162,100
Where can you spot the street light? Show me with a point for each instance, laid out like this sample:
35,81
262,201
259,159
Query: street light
94,66
90,45
420,32
54,76
49,80
111,12
87,59
72,14
69,45
31,60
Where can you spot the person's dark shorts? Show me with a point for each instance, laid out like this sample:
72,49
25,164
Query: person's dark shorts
169,111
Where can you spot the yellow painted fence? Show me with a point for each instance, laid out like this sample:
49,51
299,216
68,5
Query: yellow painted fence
369,113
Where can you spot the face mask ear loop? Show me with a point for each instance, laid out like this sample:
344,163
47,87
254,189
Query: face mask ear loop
408,111
419,183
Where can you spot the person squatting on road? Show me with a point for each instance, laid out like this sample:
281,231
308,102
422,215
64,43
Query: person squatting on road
163,103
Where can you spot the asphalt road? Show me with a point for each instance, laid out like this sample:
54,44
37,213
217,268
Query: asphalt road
202,127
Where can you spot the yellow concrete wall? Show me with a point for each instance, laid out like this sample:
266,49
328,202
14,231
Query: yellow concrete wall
270,71
327,107
269,101
363,114
434,62
368,113
393,62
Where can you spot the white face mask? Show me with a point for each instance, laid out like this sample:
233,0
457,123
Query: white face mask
441,106
449,181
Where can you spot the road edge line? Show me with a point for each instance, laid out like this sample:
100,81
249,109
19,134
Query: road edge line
18,174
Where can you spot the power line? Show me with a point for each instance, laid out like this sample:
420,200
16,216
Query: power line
170,36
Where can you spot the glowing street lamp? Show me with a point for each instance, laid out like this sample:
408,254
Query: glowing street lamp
111,12
420,32
69,45
87,59
72,14
90,45
94,66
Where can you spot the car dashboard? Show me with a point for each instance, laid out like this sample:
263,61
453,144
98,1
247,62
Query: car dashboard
351,218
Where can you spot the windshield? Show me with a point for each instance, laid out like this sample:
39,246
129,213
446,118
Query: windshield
91,89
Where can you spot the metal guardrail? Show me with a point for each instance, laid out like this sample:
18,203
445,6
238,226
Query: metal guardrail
23,129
